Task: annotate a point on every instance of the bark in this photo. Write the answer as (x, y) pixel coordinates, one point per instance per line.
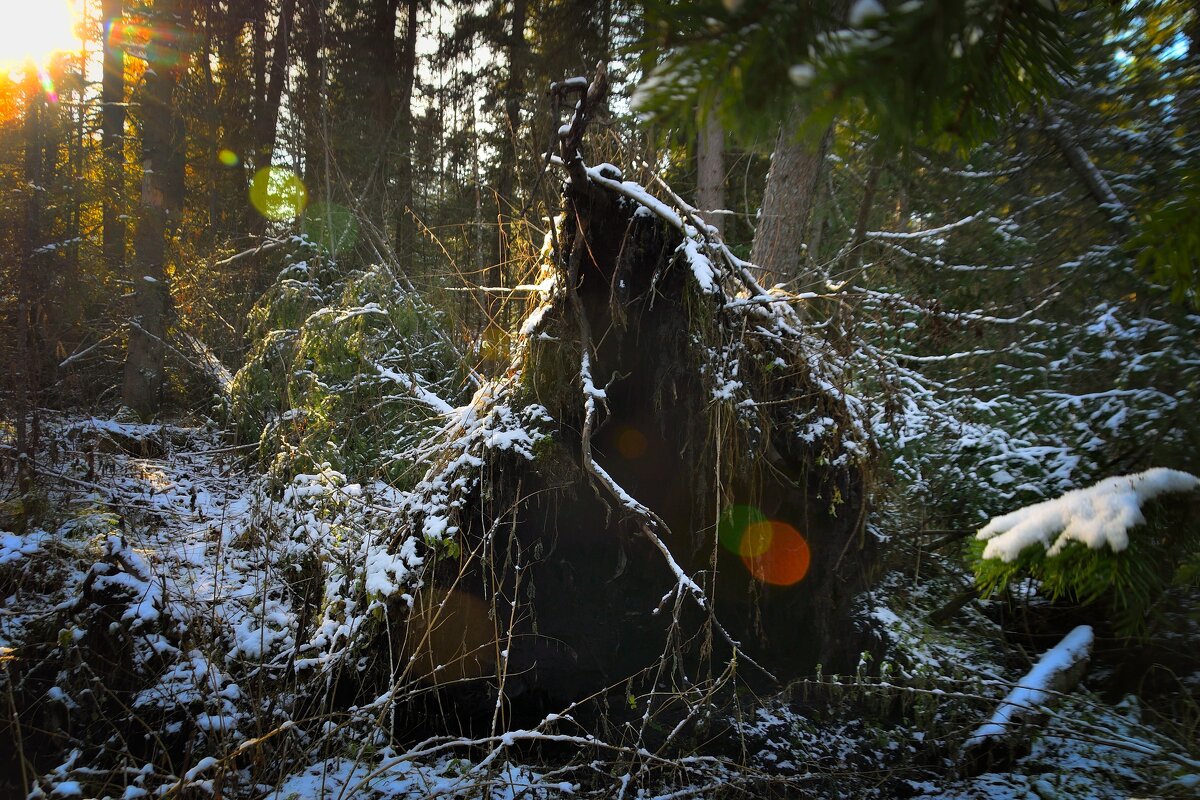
(112, 139)
(212, 122)
(793, 184)
(268, 122)
(864, 213)
(266, 119)
(1085, 170)
(311, 98)
(477, 235)
(788, 201)
(517, 52)
(161, 198)
(405, 229)
(258, 67)
(29, 290)
(236, 111)
(710, 172)
(381, 75)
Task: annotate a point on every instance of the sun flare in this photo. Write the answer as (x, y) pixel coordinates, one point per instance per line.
(33, 31)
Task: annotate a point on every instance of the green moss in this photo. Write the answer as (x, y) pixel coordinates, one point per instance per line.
(318, 385)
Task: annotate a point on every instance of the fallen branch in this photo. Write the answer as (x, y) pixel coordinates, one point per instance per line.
(998, 740)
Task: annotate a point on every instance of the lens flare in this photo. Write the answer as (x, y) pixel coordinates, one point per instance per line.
(757, 539)
(228, 158)
(785, 559)
(732, 526)
(631, 443)
(771, 550)
(330, 226)
(162, 45)
(47, 85)
(34, 32)
(278, 194)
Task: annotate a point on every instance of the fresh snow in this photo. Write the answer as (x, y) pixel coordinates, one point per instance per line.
(1096, 516)
(1036, 687)
(864, 11)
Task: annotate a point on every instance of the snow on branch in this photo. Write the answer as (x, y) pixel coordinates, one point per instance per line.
(924, 233)
(1096, 516)
(1049, 676)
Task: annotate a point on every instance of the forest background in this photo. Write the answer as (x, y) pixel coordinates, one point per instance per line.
(314, 224)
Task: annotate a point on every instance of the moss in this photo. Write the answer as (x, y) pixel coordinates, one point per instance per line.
(313, 390)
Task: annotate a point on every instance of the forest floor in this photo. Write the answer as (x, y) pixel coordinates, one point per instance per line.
(141, 627)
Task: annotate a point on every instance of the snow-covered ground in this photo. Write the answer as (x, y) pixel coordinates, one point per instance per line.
(187, 569)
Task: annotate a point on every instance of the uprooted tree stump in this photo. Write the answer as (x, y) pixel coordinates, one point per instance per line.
(669, 472)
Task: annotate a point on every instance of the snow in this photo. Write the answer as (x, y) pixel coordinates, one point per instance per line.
(864, 11)
(1098, 516)
(15, 547)
(702, 268)
(802, 74)
(417, 387)
(1035, 688)
(533, 320)
(204, 764)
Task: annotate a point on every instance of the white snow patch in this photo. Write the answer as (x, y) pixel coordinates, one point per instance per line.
(802, 74)
(1034, 689)
(864, 11)
(1096, 516)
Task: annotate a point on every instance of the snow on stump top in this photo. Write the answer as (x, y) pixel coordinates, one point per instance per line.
(1096, 516)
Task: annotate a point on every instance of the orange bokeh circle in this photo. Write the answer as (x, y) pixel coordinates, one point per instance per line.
(780, 558)
(631, 443)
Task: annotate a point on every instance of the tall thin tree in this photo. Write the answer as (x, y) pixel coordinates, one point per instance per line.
(159, 207)
(112, 137)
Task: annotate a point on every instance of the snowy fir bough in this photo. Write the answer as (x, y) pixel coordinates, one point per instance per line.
(349, 369)
(1109, 543)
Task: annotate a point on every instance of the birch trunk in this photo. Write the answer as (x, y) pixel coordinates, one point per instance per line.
(1085, 169)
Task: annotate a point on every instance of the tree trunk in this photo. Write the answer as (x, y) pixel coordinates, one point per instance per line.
(997, 743)
(380, 75)
(29, 288)
(1085, 169)
(789, 198)
(311, 99)
(710, 172)
(112, 139)
(788, 201)
(859, 242)
(517, 50)
(405, 229)
(269, 122)
(266, 119)
(162, 194)
(258, 66)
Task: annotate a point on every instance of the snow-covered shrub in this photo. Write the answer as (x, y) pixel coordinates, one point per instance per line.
(1075, 401)
(259, 388)
(331, 545)
(347, 370)
(1096, 545)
